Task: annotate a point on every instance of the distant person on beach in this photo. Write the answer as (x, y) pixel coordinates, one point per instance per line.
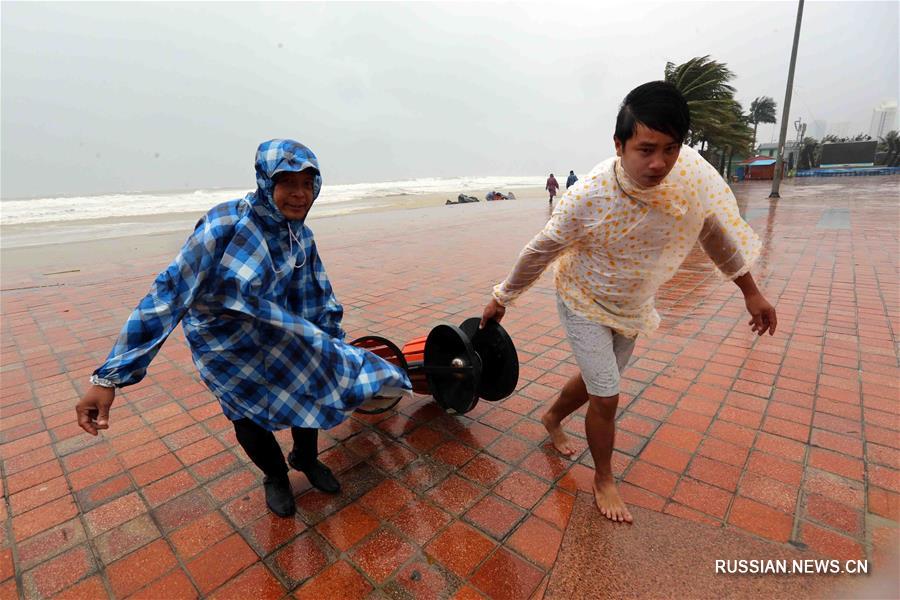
(570, 181)
(263, 325)
(494, 195)
(552, 186)
(619, 234)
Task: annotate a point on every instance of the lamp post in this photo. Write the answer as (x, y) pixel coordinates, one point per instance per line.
(779, 166)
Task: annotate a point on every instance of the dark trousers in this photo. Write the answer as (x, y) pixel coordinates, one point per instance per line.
(263, 449)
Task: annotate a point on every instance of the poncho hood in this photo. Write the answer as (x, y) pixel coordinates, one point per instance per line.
(279, 156)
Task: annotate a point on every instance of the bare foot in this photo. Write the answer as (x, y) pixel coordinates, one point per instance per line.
(559, 438)
(610, 503)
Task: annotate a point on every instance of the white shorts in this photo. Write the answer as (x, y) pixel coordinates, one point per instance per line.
(600, 352)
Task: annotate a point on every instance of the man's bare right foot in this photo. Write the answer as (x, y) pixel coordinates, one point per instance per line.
(560, 440)
(610, 503)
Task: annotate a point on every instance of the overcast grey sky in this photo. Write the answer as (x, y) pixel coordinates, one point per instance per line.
(107, 97)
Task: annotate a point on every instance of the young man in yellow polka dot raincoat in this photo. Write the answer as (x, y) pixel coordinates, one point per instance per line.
(619, 234)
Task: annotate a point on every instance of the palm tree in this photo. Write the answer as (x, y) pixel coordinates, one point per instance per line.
(704, 84)
(731, 136)
(717, 121)
(809, 153)
(891, 143)
(762, 110)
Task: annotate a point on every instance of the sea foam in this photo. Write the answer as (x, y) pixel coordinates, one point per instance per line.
(123, 205)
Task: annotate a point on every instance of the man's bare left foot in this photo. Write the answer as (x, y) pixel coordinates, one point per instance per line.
(610, 503)
(560, 440)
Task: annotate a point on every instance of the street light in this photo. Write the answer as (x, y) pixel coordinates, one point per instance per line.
(779, 166)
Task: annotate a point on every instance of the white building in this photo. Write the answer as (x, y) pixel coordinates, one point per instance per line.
(791, 151)
(884, 119)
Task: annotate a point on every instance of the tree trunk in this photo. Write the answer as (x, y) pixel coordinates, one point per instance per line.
(722, 163)
(730, 158)
(755, 125)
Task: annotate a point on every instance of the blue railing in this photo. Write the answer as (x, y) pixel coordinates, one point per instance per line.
(865, 171)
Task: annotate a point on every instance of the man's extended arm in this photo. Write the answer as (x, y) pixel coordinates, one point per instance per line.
(762, 313)
(533, 260)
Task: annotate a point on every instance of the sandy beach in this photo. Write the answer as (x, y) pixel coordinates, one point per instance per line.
(86, 244)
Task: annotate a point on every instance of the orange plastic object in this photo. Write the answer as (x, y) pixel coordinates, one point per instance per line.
(414, 352)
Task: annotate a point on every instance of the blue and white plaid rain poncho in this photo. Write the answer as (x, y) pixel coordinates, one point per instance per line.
(258, 312)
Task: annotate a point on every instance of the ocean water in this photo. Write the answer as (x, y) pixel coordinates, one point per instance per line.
(75, 208)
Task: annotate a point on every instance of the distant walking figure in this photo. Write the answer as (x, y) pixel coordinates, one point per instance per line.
(571, 180)
(552, 186)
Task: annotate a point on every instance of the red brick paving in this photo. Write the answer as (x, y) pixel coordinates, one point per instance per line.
(792, 438)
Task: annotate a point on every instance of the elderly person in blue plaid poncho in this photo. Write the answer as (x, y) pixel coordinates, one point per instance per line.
(262, 323)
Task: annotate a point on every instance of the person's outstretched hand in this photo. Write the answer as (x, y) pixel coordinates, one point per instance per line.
(494, 311)
(93, 409)
(762, 315)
